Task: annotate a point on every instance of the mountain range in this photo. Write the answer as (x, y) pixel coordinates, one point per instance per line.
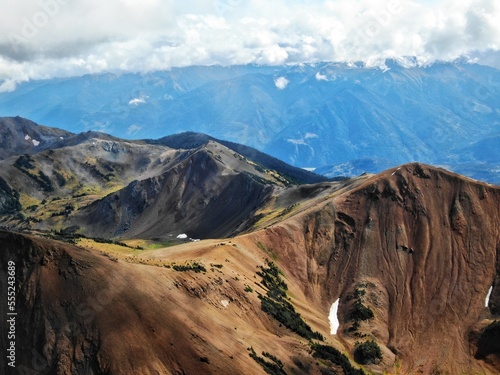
(344, 119)
(54, 179)
(188, 255)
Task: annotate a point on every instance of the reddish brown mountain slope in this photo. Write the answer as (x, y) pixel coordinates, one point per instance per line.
(417, 245)
(427, 240)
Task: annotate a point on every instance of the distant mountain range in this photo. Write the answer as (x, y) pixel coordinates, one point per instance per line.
(342, 119)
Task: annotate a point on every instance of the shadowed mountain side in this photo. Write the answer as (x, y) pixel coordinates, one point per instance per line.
(22, 136)
(424, 245)
(200, 196)
(76, 174)
(188, 140)
(154, 192)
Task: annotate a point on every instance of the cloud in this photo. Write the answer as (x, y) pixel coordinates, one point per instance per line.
(281, 83)
(48, 38)
(321, 77)
(7, 86)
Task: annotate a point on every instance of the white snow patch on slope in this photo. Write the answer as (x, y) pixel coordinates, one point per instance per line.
(182, 236)
(27, 137)
(311, 135)
(297, 141)
(333, 318)
(487, 301)
(35, 142)
(137, 101)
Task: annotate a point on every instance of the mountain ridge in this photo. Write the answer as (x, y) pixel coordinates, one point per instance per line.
(73, 182)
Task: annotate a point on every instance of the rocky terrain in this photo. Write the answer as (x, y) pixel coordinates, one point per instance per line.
(409, 256)
(110, 187)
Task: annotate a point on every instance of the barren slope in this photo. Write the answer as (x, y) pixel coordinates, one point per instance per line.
(417, 246)
(423, 244)
(210, 192)
(83, 312)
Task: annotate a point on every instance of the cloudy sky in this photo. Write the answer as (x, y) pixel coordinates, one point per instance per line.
(48, 38)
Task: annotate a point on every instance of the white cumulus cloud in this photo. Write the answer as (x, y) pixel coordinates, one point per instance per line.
(281, 83)
(321, 77)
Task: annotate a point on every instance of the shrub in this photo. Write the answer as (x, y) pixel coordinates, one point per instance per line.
(367, 352)
(24, 161)
(333, 355)
(9, 199)
(273, 367)
(360, 312)
(61, 181)
(489, 341)
(276, 304)
(195, 266)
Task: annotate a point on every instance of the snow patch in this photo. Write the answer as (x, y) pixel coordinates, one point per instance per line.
(35, 142)
(27, 137)
(225, 303)
(297, 141)
(481, 108)
(487, 301)
(133, 129)
(182, 236)
(311, 135)
(61, 138)
(137, 101)
(333, 317)
(393, 173)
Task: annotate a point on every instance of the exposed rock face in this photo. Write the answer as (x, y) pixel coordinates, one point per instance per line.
(426, 241)
(9, 199)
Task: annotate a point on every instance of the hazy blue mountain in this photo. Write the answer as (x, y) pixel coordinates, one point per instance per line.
(313, 115)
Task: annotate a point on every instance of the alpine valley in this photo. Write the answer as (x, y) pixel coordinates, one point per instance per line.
(343, 119)
(193, 255)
